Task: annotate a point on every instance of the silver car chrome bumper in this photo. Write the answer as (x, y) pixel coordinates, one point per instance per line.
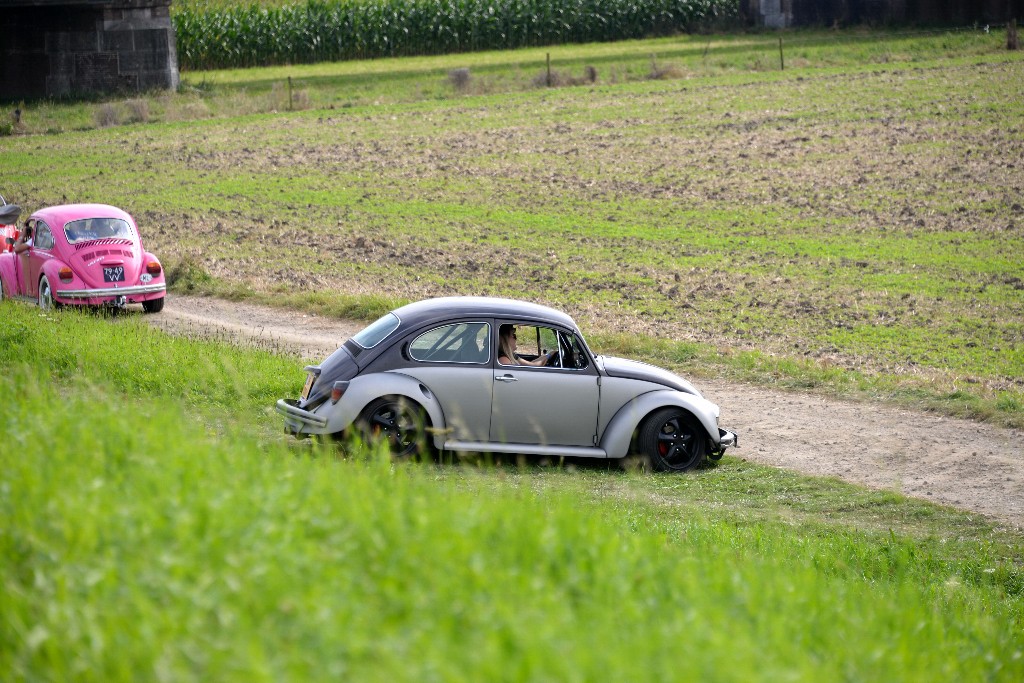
(110, 291)
(726, 439)
(295, 418)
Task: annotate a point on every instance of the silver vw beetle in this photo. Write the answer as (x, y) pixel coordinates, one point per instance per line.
(477, 374)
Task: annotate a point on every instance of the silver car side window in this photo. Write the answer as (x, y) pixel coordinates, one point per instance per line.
(467, 342)
(576, 357)
(532, 342)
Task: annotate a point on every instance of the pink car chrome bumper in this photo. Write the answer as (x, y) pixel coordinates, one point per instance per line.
(110, 291)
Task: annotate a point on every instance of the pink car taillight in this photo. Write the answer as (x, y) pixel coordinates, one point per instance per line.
(153, 268)
(65, 275)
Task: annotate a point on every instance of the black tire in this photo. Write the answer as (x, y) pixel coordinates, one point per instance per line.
(1, 289)
(674, 440)
(399, 422)
(153, 305)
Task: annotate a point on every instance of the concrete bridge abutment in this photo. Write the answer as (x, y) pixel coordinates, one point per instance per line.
(66, 48)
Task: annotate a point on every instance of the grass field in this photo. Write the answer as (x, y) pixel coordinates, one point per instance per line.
(155, 525)
(851, 224)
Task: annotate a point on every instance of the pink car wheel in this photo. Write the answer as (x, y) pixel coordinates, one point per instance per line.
(153, 305)
(46, 301)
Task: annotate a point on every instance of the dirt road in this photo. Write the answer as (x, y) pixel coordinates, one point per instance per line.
(953, 462)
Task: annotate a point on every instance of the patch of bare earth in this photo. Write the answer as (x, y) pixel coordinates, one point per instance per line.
(948, 461)
(312, 337)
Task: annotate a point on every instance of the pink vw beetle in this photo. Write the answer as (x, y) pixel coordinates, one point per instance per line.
(82, 254)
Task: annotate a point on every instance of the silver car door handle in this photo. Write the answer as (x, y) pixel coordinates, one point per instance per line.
(505, 378)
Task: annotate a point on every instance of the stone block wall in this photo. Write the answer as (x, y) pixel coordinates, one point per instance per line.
(954, 13)
(62, 50)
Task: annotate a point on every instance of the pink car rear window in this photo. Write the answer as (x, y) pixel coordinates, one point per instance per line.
(88, 229)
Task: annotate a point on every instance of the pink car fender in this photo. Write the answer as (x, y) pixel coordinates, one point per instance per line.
(8, 278)
(51, 271)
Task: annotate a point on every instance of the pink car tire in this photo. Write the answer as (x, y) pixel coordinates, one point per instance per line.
(153, 305)
(46, 301)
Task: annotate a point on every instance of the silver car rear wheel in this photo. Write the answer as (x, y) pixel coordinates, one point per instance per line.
(398, 422)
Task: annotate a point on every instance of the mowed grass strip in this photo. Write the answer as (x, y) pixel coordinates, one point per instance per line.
(139, 542)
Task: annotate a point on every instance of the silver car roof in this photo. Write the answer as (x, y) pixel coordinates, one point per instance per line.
(440, 308)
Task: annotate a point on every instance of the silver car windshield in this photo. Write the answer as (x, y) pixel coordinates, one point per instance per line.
(88, 229)
(376, 333)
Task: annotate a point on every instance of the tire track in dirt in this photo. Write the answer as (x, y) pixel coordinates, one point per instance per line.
(960, 463)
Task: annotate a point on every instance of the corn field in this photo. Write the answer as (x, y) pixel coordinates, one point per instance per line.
(212, 36)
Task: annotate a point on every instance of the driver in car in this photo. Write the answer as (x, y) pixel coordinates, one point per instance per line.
(25, 243)
(507, 349)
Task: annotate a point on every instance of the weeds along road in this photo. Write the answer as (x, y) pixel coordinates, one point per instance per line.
(949, 461)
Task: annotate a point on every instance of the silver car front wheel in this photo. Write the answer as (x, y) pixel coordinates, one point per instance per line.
(674, 440)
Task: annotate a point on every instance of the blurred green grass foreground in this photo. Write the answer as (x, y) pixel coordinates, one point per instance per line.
(154, 525)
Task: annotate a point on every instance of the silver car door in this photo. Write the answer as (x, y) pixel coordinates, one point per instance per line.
(544, 406)
(452, 361)
(464, 393)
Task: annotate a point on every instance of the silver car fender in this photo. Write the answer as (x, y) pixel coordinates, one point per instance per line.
(365, 389)
(617, 436)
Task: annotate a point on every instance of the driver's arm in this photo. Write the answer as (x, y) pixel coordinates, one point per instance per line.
(536, 362)
(540, 361)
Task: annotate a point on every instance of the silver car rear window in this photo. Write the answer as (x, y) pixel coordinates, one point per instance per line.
(377, 332)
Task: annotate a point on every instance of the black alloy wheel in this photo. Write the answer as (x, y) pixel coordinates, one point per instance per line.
(674, 440)
(399, 422)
